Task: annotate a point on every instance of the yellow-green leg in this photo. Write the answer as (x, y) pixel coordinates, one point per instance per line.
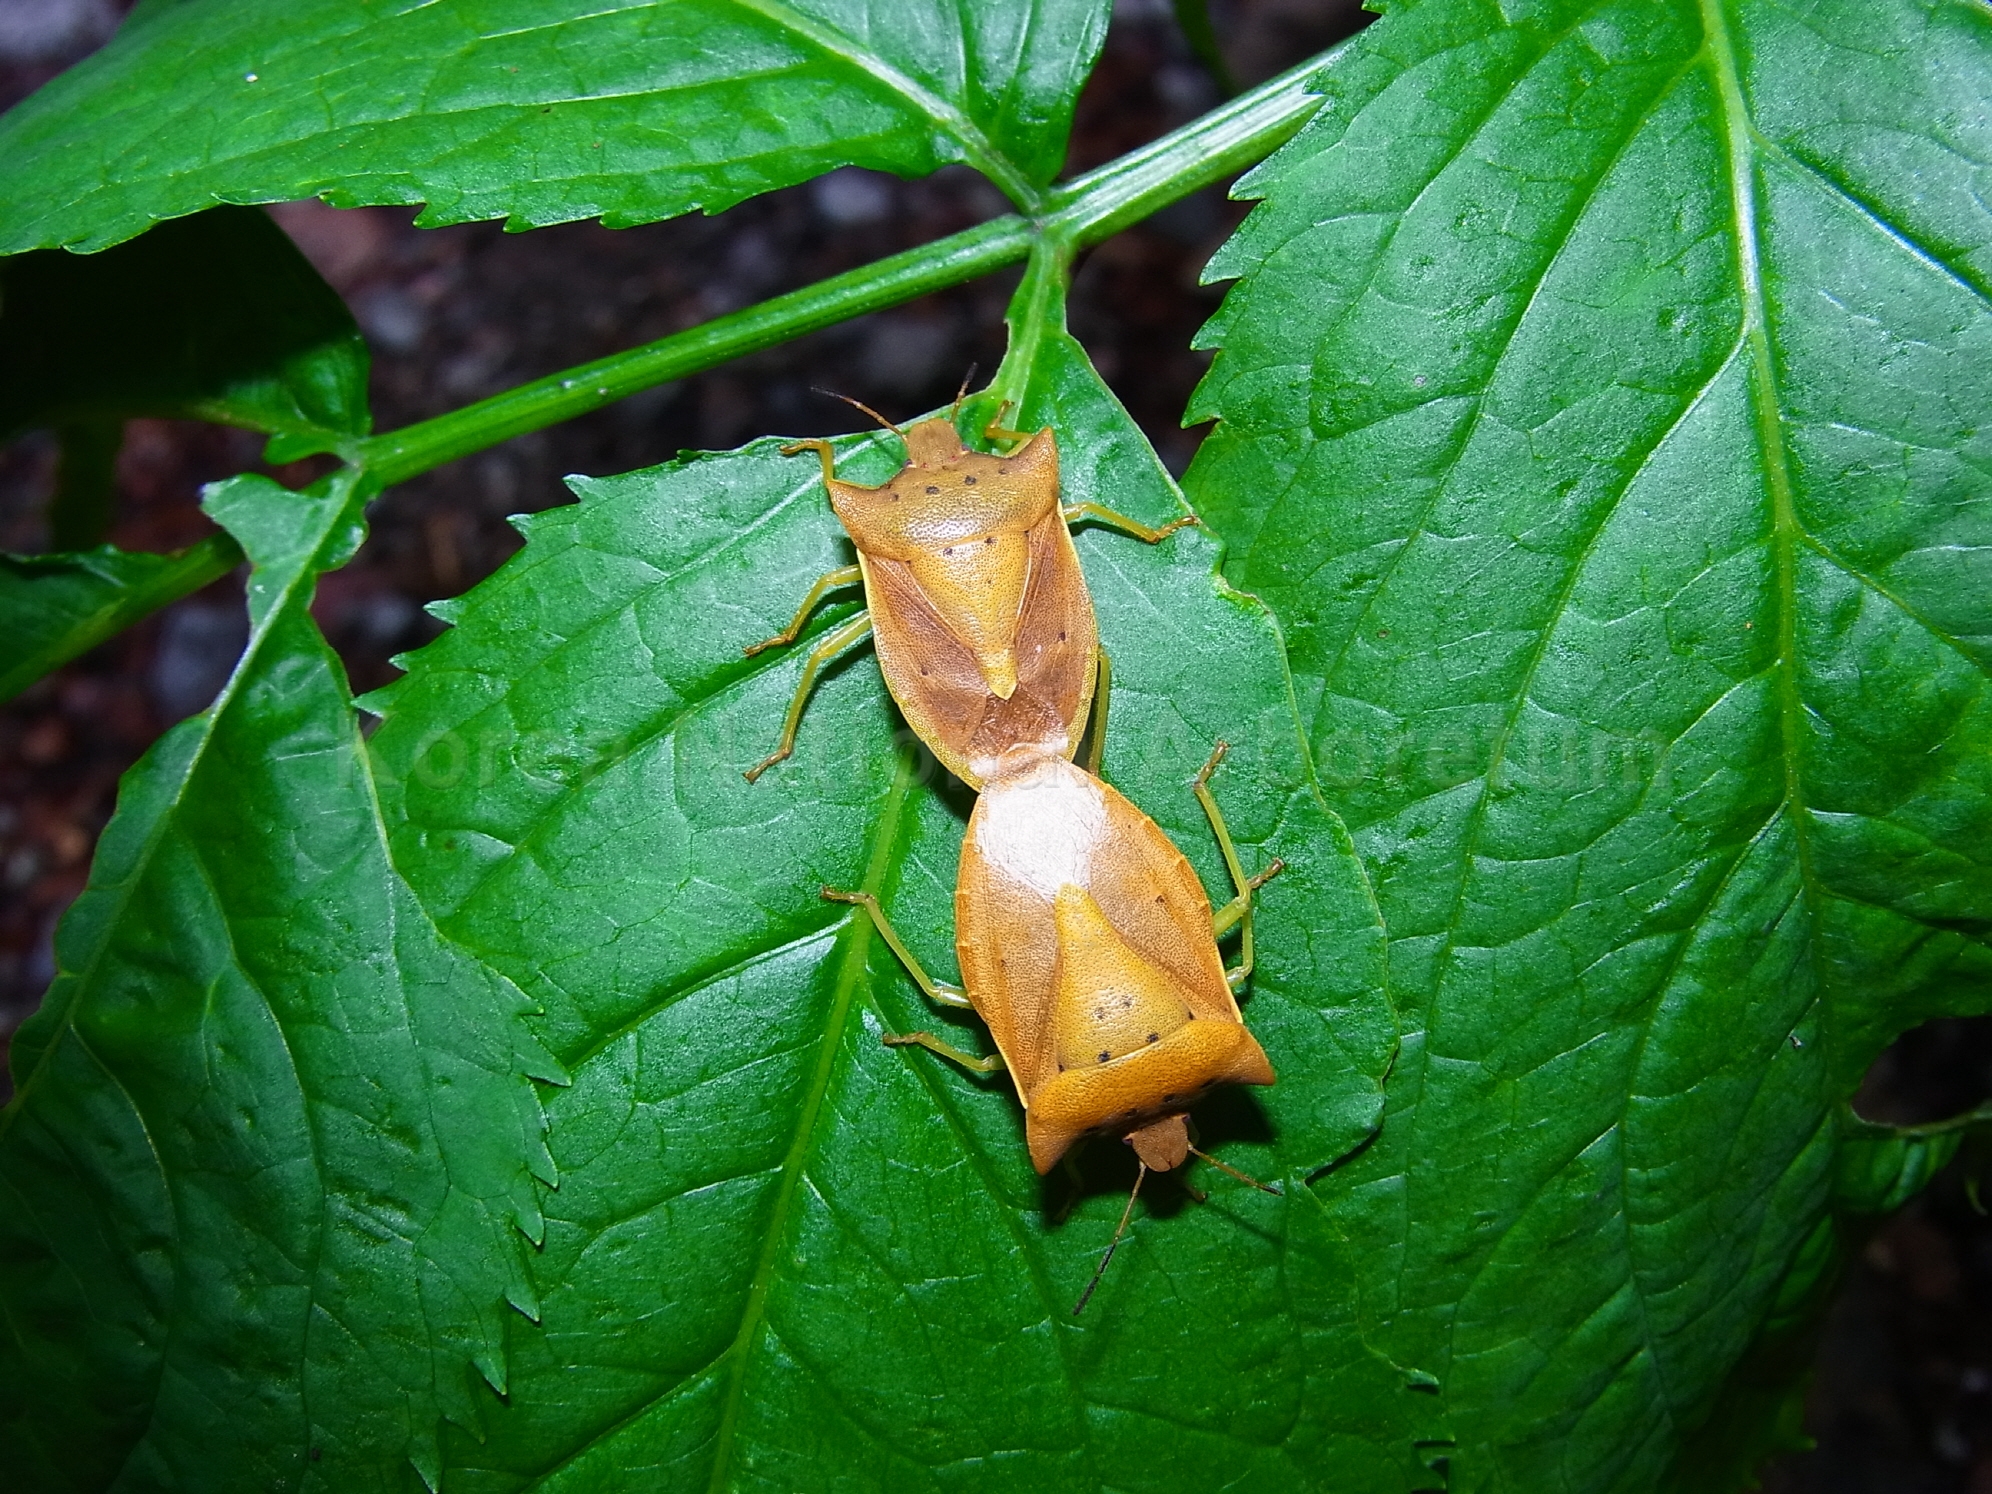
(996, 431)
(938, 992)
(1103, 684)
(829, 581)
(832, 645)
(1075, 512)
(993, 1064)
(823, 449)
(1236, 914)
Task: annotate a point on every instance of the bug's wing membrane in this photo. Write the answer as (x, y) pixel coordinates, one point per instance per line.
(934, 678)
(1057, 648)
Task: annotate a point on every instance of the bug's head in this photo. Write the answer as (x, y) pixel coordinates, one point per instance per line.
(1162, 1145)
(934, 443)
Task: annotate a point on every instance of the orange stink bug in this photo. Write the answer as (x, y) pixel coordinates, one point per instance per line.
(1088, 946)
(984, 627)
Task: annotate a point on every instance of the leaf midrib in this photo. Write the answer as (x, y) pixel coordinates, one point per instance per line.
(1787, 532)
(850, 976)
(981, 152)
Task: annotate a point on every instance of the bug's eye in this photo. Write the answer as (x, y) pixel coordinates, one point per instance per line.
(933, 490)
(969, 481)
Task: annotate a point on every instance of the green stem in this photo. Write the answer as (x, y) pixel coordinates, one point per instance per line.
(1084, 211)
(1037, 307)
(1202, 153)
(399, 455)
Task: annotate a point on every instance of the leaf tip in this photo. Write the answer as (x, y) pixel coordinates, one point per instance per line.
(522, 1300)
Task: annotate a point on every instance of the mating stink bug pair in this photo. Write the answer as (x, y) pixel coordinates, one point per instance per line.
(982, 621)
(1085, 939)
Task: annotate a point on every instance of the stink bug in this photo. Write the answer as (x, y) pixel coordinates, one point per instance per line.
(1088, 946)
(974, 594)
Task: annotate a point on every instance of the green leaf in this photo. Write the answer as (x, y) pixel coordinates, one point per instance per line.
(782, 1255)
(262, 1182)
(217, 317)
(1602, 413)
(533, 110)
(53, 607)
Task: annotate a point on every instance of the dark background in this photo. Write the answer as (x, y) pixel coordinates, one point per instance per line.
(1902, 1400)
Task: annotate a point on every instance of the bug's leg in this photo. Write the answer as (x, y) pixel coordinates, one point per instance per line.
(938, 992)
(1238, 912)
(844, 575)
(823, 449)
(1075, 512)
(832, 645)
(1103, 684)
(1227, 1167)
(997, 431)
(993, 1064)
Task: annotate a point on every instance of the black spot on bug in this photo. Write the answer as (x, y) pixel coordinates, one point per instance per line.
(969, 481)
(948, 551)
(1104, 1055)
(1061, 635)
(990, 541)
(933, 490)
(1154, 1037)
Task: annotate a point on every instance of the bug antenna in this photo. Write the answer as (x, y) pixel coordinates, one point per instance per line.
(1227, 1167)
(1113, 1244)
(954, 412)
(858, 404)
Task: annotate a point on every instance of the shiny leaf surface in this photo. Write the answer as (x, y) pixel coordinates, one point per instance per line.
(263, 1182)
(1602, 413)
(535, 111)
